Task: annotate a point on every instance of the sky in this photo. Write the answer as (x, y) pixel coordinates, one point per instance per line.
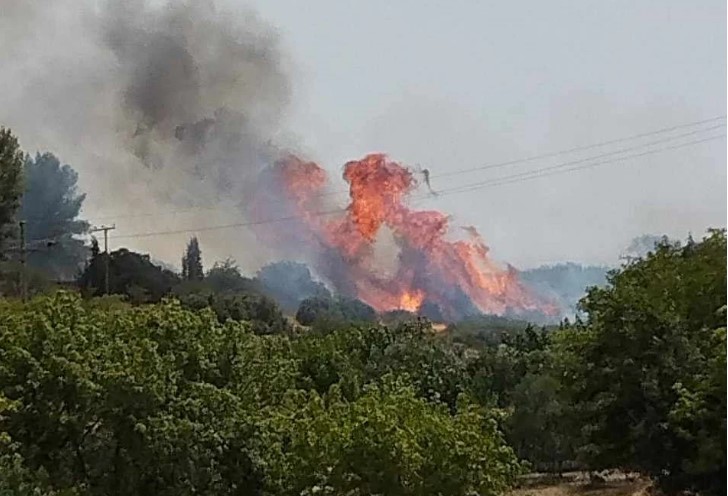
(447, 86)
(456, 85)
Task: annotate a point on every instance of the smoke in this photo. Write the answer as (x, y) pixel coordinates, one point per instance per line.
(203, 91)
(159, 107)
(426, 267)
(183, 105)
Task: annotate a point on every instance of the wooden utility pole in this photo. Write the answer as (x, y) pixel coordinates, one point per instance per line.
(23, 278)
(106, 230)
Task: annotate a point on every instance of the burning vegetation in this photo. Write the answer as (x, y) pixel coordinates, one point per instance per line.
(197, 97)
(432, 271)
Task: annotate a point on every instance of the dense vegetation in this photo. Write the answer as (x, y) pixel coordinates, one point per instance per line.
(160, 400)
(647, 368)
(199, 384)
(100, 397)
(50, 206)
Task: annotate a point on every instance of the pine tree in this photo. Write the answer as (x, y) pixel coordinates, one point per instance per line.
(11, 179)
(52, 199)
(192, 262)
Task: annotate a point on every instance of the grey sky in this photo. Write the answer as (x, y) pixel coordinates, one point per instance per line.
(453, 85)
(448, 85)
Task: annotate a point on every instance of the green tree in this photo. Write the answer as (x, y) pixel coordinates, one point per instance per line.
(540, 427)
(225, 277)
(313, 308)
(336, 312)
(51, 205)
(135, 400)
(11, 182)
(258, 310)
(647, 367)
(388, 441)
(192, 262)
(102, 398)
(131, 274)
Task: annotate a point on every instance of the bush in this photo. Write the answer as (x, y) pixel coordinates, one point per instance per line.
(387, 441)
(647, 368)
(105, 399)
(341, 311)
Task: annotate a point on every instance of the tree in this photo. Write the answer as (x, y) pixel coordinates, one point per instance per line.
(192, 262)
(156, 399)
(132, 401)
(640, 246)
(131, 274)
(225, 277)
(51, 205)
(540, 428)
(35, 281)
(259, 311)
(388, 442)
(338, 311)
(647, 367)
(11, 180)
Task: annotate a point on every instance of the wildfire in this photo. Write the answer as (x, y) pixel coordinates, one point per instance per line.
(455, 277)
(411, 301)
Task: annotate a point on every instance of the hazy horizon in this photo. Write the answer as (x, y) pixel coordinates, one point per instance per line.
(444, 87)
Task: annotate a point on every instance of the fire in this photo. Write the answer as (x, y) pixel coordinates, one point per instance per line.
(457, 277)
(411, 301)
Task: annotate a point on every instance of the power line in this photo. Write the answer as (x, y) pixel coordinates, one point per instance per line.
(588, 147)
(228, 226)
(573, 162)
(106, 230)
(559, 168)
(462, 189)
(531, 158)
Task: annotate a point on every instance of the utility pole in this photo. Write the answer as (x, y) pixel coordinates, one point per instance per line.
(106, 230)
(23, 279)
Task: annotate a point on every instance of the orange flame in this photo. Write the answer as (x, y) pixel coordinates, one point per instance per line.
(452, 275)
(411, 301)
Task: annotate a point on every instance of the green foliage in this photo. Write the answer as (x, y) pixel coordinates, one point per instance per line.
(11, 180)
(388, 441)
(225, 277)
(541, 425)
(334, 312)
(104, 398)
(36, 281)
(259, 311)
(51, 205)
(486, 330)
(131, 274)
(215, 393)
(516, 370)
(314, 308)
(147, 400)
(192, 262)
(356, 356)
(232, 296)
(395, 317)
(647, 366)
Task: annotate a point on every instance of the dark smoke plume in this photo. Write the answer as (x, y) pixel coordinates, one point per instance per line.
(158, 106)
(204, 91)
